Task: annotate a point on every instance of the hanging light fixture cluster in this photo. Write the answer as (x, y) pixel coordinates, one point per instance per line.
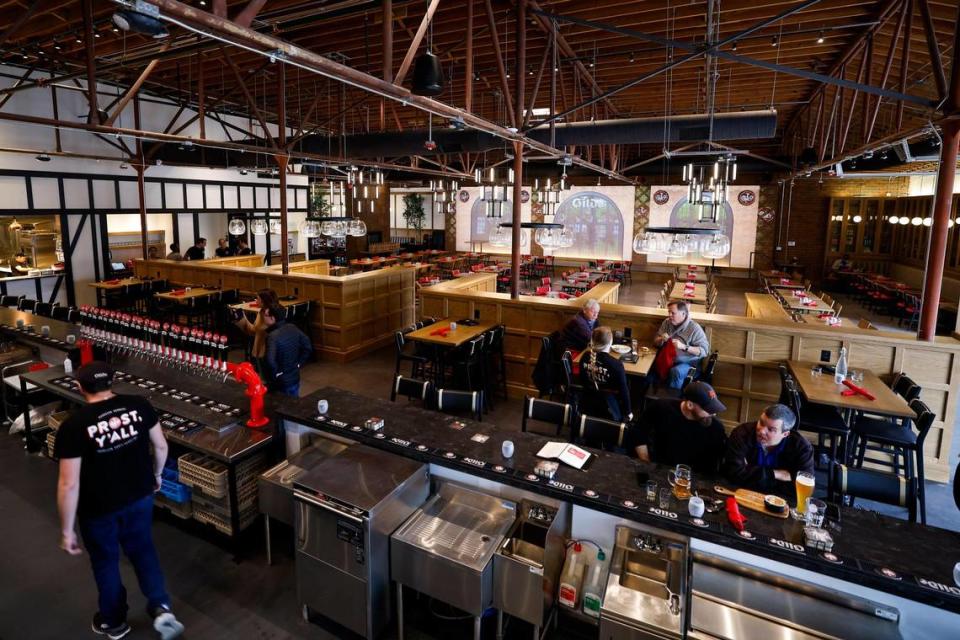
(707, 185)
(444, 195)
(365, 187)
(547, 192)
(502, 236)
(678, 242)
(497, 185)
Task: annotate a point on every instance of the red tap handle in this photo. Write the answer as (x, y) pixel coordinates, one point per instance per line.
(245, 374)
(733, 514)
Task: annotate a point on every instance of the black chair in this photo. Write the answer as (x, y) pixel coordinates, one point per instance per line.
(60, 313)
(27, 304)
(572, 390)
(897, 439)
(709, 366)
(412, 389)
(44, 309)
(555, 413)
(600, 433)
(406, 352)
(459, 402)
(878, 486)
(823, 420)
(467, 364)
(904, 386)
(496, 373)
(11, 302)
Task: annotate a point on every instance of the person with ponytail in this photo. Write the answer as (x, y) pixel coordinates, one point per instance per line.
(605, 390)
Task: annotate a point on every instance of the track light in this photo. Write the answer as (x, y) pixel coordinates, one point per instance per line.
(43, 158)
(820, 37)
(476, 76)
(633, 57)
(56, 45)
(774, 41)
(77, 39)
(734, 46)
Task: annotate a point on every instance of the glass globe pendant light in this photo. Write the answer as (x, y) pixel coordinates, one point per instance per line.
(237, 227)
(259, 227)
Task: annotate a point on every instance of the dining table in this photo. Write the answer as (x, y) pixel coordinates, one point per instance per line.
(792, 302)
(444, 339)
(696, 293)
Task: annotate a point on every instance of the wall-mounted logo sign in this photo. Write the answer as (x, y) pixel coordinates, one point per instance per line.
(765, 214)
(464, 195)
(746, 198)
(524, 196)
(661, 197)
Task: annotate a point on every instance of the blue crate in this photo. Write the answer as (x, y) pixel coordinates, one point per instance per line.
(171, 474)
(175, 491)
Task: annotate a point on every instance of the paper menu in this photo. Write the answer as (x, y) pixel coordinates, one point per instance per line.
(567, 453)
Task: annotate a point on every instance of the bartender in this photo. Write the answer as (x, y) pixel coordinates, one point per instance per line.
(767, 454)
(20, 264)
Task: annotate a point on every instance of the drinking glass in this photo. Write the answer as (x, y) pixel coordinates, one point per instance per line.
(815, 511)
(665, 498)
(816, 372)
(804, 483)
(680, 479)
(856, 376)
(651, 490)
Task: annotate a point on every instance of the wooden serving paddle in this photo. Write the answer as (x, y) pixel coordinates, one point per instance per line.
(753, 500)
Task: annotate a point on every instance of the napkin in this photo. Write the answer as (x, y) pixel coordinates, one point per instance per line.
(854, 390)
(112, 282)
(810, 303)
(178, 292)
(688, 295)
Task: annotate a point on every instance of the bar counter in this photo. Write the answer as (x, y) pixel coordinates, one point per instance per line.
(918, 558)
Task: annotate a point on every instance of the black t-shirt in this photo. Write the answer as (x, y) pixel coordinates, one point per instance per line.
(672, 439)
(113, 442)
(194, 253)
(224, 252)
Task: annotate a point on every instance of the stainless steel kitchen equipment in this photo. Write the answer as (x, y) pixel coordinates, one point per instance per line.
(527, 564)
(646, 588)
(730, 600)
(346, 508)
(445, 550)
(276, 484)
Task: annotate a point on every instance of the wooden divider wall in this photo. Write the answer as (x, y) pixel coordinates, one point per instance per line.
(350, 315)
(746, 378)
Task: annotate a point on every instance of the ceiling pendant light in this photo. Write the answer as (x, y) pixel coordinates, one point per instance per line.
(237, 227)
(496, 186)
(274, 226)
(427, 75)
(259, 227)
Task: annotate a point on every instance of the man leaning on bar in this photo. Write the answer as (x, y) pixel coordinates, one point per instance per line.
(767, 454)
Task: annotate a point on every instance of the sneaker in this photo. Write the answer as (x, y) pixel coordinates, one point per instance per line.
(102, 628)
(165, 623)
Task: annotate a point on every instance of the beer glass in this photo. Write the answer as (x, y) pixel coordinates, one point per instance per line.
(804, 484)
(680, 479)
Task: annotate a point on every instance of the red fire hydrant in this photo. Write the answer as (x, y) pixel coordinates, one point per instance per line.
(245, 374)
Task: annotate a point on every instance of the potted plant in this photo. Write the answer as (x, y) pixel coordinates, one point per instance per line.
(413, 214)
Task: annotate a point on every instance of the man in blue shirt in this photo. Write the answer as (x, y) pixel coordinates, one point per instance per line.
(288, 349)
(767, 454)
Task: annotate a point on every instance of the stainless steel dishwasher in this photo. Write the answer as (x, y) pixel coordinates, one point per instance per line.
(731, 601)
(445, 550)
(346, 508)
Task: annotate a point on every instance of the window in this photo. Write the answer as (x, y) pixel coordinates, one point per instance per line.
(597, 225)
(432, 219)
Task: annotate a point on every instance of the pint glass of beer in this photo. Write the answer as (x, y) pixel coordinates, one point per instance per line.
(681, 480)
(804, 483)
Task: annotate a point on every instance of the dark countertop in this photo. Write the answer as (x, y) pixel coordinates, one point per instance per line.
(921, 556)
(59, 330)
(228, 445)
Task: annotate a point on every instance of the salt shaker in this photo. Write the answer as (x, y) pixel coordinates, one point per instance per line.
(322, 407)
(695, 506)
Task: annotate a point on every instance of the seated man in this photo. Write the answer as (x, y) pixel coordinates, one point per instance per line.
(576, 334)
(686, 431)
(842, 264)
(766, 455)
(605, 391)
(688, 338)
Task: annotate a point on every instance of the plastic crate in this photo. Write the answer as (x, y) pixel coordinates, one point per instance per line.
(51, 444)
(204, 473)
(170, 473)
(181, 510)
(54, 420)
(175, 491)
(222, 523)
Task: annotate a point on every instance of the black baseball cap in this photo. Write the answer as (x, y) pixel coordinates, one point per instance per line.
(95, 377)
(703, 395)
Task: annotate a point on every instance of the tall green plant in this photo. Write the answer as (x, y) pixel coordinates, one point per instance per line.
(413, 213)
(321, 204)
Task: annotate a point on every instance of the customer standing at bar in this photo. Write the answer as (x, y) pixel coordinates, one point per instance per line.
(223, 249)
(266, 298)
(288, 349)
(578, 331)
(242, 248)
(107, 481)
(683, 430)
(688, 338)
(197, 251)
(767, 454)
(174, 253)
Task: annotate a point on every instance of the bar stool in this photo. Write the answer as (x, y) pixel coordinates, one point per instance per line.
(556, 413)
(902, 440)
(600, 433)
(457, 402)
(823, 420)
(411, 389)
(879, 486)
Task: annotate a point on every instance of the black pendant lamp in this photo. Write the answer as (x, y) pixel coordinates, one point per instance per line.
(427, 75)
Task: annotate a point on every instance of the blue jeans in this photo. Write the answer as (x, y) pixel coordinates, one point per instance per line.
(677, 373)
(292, 390)
(103, 536)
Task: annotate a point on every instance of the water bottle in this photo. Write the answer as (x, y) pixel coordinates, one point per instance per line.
(67, 365)
(841, 370)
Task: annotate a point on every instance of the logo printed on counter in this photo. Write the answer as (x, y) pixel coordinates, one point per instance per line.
(938, 586)
(663, 513)
(400, 442)
(477, 463)
(783, 544)
(563, 486)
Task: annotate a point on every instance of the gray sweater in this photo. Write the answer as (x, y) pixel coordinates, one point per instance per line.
(691, 334)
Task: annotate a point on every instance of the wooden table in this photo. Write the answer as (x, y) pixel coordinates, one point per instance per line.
(767, 275)
(793, 303)
(463, 334)
(693, 276)
(823, 390)
(187, 297)
(697, 294)
(764, 306)
(638, 368)
(779, 283)
(252, 306)
(106, 287)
